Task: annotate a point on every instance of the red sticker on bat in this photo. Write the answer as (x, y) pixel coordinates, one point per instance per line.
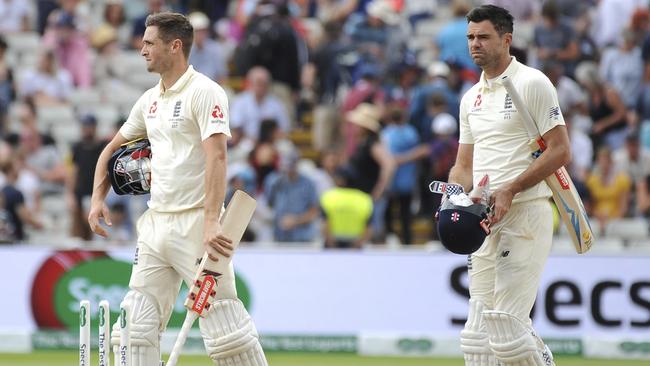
(204, 294)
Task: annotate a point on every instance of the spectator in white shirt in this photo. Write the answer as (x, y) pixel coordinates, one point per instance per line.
(48, 84)
(252, 106)
(14, 16)
(206, 56)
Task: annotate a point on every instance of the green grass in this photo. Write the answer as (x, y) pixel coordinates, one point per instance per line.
(68, 358)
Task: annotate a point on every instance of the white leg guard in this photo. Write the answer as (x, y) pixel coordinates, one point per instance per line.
(474, 338)
(144, 331)
(230, 336)
(514, 342)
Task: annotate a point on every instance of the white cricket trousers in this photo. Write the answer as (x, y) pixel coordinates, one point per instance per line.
(505, 272)
(169, 246)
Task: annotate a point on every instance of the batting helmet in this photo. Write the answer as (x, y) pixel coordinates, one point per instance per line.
(129, 168)
(461, 229)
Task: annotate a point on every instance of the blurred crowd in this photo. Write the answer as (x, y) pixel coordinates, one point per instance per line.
(341, 111)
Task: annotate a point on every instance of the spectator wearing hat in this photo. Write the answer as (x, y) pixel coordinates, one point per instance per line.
(371, 165)
(70, 48)
(366, 89)
(347, 213)
(79, 185)
(114, 18)
(399, 138)
(18, 214)
(206, 56)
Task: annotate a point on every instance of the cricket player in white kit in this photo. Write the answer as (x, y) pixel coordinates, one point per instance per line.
(185, 117)
(504, 273)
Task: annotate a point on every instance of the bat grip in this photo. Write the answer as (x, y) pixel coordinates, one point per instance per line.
(182, 336)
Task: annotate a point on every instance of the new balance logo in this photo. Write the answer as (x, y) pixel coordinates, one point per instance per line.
(505, 253)
(554, 113)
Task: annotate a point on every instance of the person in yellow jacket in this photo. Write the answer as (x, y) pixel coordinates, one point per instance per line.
(347, 214)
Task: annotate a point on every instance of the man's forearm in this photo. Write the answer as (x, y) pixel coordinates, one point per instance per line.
(101, 183)
(461, 175)
(215, 185)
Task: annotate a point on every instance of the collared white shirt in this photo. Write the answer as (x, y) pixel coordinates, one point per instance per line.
(248, 114)
(176, 121)
(490, 121)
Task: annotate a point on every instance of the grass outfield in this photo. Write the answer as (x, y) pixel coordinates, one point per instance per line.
(68, 358)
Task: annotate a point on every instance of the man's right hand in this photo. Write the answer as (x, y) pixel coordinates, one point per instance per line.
(97, 212)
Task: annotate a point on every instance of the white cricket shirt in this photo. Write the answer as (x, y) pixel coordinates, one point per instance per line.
(176, 121)
(490, 121)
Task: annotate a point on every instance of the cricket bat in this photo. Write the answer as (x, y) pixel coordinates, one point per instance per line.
(205, 286)
(565, 195)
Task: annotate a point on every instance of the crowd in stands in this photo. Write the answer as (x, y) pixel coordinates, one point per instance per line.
(374, 85)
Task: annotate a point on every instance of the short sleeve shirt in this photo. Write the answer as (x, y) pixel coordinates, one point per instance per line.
(490, 121)
(176, 121)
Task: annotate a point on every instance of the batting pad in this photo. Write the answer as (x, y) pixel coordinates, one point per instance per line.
(515, 343)
(230, 336)
(144, 331)
(474, 338)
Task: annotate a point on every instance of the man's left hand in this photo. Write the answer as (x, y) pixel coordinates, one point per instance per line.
(215, 242)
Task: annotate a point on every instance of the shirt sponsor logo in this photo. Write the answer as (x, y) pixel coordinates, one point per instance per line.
(217, 114)
(152, 109)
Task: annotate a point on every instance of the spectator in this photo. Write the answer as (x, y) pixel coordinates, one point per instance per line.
(441, 83)
(371, 165)
(250, 107)
(265, 156)
(14, 16)
(399, 138)
(121, 228)
(587, 48)
(451, 41)
(44, 160)
(570, 95)
(85, 153)
(365, 90)
(606, 109)
(377, 35)
(70, 47)
(634, 162)
(7, 87)
(14, 203)
(269, 33)
(294, 202)
(347, 214)
(323, 174)
(48, 84)
(555, 39)
(115, 19)
(609, 189)
(206, 56)
(110, 75)
(611, 17)
(138, 27)
(622, 68)
(437, 156)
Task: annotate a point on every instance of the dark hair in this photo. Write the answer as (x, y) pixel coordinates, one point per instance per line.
(550, 10)
(173, 26)
(500, 18)
(3, 43)
(267, 128)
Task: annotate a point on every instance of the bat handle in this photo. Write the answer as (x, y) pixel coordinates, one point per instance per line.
(182, 336)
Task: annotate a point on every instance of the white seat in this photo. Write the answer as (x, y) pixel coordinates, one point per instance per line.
(628, 229)
(62, 114)
(23, 42)
(83, 97)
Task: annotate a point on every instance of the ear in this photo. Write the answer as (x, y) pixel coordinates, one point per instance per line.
(507, 37)
(177, 46)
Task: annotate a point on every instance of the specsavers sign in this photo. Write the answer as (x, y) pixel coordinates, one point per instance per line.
(345, 293)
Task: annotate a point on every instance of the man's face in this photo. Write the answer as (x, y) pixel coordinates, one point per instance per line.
(486, 46)
(156, 53)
